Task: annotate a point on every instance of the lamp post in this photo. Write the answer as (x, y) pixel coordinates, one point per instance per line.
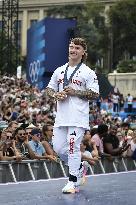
(115, 80)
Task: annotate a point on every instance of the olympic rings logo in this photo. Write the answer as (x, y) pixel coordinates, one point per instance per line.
(34, 71)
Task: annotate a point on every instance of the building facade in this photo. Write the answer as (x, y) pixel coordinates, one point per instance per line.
(31, 11)
(125, 82)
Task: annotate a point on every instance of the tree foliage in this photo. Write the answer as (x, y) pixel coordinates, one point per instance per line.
(90, 25)
(8, 55)
(122, 17)
(118, 36)
(126, 66)
(1, 54)
(95, 15)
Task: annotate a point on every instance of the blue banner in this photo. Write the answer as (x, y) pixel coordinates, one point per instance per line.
(47, 48)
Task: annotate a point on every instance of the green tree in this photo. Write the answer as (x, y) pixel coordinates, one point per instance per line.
(95, 13)
(8, 48)
(90, 25)
(126, 66)
(122, 17)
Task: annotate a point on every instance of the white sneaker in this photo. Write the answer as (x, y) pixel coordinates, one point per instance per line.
(81, 179)
(70, 188)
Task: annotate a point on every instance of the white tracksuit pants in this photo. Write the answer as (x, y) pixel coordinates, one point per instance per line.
(66, 143)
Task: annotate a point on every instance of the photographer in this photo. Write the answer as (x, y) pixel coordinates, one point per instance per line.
(7, 115)
(8, 149)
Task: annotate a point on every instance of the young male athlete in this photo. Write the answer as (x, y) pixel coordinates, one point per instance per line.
(72, 85)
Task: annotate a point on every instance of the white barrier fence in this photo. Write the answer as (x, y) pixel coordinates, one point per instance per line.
(41, 169)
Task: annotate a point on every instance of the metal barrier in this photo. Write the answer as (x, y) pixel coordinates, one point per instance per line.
(44, 169)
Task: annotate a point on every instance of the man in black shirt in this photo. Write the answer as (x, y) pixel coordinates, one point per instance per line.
(111, 143)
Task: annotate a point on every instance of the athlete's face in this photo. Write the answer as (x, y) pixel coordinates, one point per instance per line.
(75, 52)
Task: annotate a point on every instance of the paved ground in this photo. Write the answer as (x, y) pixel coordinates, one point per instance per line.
(111, 189)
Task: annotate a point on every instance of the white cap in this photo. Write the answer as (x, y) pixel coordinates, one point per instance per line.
(96, 126)
(31, 126)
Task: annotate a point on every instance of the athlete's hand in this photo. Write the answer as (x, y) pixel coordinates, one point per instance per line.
(60, 95)
(69, 91)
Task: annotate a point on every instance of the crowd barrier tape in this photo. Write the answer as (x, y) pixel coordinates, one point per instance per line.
(27, 170)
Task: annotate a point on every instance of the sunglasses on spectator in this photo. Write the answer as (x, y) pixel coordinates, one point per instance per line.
(21, 134)
(119, 136)
(9, 136)
(38, 134)
(28, 133)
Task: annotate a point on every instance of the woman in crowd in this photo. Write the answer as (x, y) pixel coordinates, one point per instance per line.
(131, 141)
(90, 143)
(47, 134)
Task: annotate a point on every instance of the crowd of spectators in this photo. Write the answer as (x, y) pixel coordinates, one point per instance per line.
(27, 118)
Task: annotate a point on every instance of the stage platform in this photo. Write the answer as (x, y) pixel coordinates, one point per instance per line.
(104, 189)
